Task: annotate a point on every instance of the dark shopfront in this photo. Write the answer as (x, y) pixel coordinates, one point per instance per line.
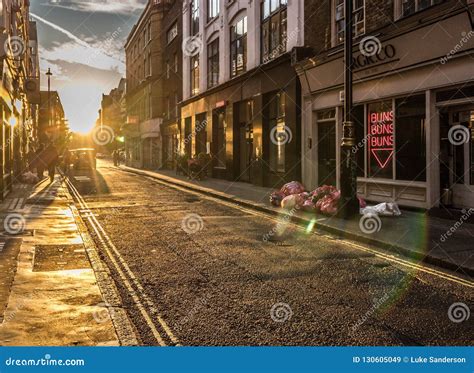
(250, 126)
(408, 110)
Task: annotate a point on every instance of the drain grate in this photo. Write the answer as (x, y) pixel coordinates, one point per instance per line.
(50, 258)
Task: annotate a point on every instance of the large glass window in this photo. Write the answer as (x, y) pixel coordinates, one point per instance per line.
(410, 139)
(238, 47)
(195, 75)
(279, 133)
(213, 63)
(200, 133)
(380, 129)
(212, 9)
(274, 29)
(358, 28)
(220, 156)
(194, 17)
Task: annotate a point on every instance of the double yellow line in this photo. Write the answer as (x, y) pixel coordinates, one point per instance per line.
(127, 277)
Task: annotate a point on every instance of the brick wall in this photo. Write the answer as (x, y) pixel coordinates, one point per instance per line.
(379, 15)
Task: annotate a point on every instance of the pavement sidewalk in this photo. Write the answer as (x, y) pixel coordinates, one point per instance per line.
(415, 234)
(48, 291)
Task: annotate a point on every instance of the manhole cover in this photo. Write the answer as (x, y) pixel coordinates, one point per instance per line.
(49, 258)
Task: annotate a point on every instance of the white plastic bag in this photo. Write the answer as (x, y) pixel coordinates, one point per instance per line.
(382, 209)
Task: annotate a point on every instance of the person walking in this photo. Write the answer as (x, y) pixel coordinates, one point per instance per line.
(115, 156)
(52, 161)
(39, 162)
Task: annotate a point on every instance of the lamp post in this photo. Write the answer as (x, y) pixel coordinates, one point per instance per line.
(49, 74)
(349, 204)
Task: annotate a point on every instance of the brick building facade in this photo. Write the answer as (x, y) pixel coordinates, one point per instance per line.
(413, 88)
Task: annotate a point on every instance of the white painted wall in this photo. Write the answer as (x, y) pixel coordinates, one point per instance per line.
(220, 27)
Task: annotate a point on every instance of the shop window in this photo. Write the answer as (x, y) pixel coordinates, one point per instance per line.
(219, 139)
(188, 137)
(273, 29)
(380, 129)
(200, 133)
(359, 123)
(195, 75)
(279, 133)
(358, 27)
(238, 47)
(410, 135)
(213, 63)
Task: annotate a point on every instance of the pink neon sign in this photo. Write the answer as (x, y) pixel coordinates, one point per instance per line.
(381, 137)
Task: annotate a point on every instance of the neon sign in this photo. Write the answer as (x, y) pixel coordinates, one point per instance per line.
(381, 137)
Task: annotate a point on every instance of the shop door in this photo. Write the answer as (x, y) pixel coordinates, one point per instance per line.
(246, 149)
(327, 153)
(460, 135)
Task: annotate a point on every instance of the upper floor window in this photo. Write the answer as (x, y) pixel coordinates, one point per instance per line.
(238, 47)
(213, 63)
(274, 28)
(172, 33)
(195, 75)
(212, 9)
(194, 17)
(408, 7)
(358, 28)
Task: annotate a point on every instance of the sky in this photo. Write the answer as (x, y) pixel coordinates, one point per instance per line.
(82, 42)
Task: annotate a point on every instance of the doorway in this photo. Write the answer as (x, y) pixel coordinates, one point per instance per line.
(327, 170)
(245, 140)
(457, 155)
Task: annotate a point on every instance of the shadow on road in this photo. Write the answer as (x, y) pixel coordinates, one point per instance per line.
(89, 182)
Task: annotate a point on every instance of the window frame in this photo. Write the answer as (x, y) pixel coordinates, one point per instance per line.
(195, 74)
(234, 46)
(213, 9)
(399, 8)
(266, 20)
(211, 61)
(173, 31)
(194, 19)
(334, 23)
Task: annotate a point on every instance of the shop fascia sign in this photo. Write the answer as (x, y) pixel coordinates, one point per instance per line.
(382, 54)
(381, 137)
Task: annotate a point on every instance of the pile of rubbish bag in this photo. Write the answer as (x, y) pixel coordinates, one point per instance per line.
(324, 199)
(29, 178)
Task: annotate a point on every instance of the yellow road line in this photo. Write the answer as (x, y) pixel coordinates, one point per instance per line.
(387, 257)
(108, 245)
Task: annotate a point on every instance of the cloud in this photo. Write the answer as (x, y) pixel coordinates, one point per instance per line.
(105, 6)
(104, 55)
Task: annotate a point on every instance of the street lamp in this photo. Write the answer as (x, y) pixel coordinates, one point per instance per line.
(349, 204)
(49, 74)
